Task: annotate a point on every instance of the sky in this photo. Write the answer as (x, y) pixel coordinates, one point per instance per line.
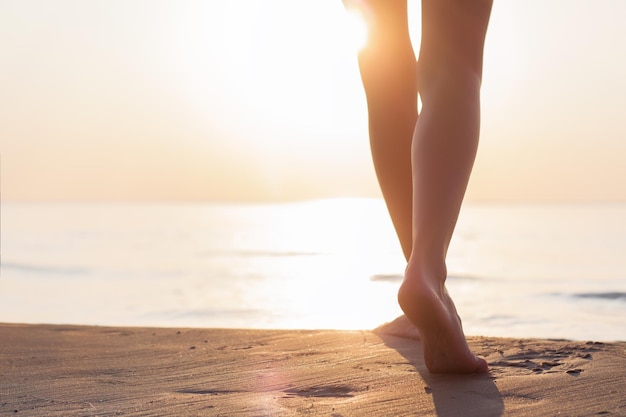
(247, 100)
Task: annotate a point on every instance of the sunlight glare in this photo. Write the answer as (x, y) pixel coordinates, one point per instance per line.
(357, 28)
(336, 246)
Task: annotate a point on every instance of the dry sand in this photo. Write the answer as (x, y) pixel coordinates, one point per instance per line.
(52, 370)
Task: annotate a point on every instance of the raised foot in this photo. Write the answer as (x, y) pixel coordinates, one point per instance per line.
(432, 311)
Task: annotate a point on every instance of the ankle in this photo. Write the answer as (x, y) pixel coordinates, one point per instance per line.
(425, 272)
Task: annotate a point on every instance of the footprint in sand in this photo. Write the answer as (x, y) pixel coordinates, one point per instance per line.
(336, 391)
(543, 357)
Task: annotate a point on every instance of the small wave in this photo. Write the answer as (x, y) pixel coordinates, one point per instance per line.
(206, 313)
(603, 295)
(259, 253)
(399, 277)
(467, 278)
(43, 269)
(386, 277)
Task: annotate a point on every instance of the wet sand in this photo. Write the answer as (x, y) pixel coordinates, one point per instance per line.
(62, 370)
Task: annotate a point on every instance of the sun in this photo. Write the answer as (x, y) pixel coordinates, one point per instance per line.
(357, 29)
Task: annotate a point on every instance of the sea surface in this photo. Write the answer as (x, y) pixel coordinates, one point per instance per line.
(551, 271)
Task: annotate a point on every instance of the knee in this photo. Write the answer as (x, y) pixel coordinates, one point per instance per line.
(448, 78)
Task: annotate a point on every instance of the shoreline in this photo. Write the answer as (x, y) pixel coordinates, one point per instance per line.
(67, 370)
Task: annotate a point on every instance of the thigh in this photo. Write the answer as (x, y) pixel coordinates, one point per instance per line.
(453, 33)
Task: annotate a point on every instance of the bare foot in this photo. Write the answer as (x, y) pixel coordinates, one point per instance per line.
(400, 327)
(431, 310)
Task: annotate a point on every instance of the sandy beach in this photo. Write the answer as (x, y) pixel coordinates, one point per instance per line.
(63, 370)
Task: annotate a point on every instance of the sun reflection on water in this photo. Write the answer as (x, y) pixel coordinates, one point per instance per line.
(338, 246)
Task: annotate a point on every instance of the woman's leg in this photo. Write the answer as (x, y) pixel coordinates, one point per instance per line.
(389, 75)
(443, 152)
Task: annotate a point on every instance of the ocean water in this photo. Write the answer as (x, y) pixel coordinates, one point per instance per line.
(553, 271)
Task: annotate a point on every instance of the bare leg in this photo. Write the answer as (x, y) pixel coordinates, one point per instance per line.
(389, 74)
(443, 152)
